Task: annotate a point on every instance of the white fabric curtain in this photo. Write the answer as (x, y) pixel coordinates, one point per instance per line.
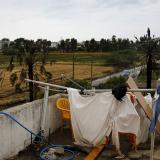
(95, 117)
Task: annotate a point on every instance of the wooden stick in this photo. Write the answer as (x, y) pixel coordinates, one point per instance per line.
(142, 102)
(95, 152)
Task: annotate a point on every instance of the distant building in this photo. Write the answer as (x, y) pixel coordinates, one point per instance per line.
(0, 45)
(54, 44)
(5, 42)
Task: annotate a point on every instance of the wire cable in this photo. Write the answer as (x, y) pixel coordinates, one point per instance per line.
(41, 138)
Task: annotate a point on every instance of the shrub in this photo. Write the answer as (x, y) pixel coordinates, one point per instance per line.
(122, 59)
(112, 82)
(83, 83)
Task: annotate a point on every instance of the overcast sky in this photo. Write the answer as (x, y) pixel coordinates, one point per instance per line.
(82, 19)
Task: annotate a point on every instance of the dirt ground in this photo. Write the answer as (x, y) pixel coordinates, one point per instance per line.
(7, 91)
(81, 71)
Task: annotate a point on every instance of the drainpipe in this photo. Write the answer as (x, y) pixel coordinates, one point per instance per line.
(44, 108)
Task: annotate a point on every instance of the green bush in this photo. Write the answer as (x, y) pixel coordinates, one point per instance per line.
(112, 82)
(122, 59)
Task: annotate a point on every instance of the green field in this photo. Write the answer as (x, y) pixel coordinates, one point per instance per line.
(99, 58)
(83, 58)
(4, 60)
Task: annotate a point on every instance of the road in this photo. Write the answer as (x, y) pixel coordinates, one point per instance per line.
(133, 72)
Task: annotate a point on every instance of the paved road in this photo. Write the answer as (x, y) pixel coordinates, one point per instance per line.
(133, 72)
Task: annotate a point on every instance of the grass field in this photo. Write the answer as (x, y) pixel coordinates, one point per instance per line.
(83, 58)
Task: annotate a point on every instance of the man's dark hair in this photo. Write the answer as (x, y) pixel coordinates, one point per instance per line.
(119, 91)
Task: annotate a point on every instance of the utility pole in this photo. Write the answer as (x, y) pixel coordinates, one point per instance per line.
(73, 65)
(91, 71)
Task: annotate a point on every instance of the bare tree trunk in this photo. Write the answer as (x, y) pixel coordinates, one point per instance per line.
(149, 71)
(30, 75)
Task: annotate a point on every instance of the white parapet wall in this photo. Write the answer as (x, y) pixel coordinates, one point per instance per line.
(14, 138)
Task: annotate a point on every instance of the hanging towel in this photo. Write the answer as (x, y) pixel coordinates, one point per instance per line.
(95, 117)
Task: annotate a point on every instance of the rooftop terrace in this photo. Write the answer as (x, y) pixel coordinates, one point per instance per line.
(108, 153)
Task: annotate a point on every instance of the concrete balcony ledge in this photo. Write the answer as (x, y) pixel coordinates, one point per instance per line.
(13, 138)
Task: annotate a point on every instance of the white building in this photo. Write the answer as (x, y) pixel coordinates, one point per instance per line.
(0, 45)
(3, 42)
(54, 44)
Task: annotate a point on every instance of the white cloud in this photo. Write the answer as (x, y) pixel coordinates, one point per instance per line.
(82, 19)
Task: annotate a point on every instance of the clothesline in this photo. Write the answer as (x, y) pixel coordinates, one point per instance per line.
(85, 90)
(48, 85)
(54, 90)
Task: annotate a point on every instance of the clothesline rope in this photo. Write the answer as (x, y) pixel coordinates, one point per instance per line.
(54, 90)
(85, 90)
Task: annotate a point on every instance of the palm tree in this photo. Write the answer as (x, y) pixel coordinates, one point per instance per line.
(27, 51)
(149, 46)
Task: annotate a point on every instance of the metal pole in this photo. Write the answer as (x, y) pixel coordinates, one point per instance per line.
(73, 65)
(152, 145)
(31, 138)
(91, 72)
(96, 90)
(45, 106)
(49, 135)
(128, 90)
(54, 90)
(78, 85)
(46, 84)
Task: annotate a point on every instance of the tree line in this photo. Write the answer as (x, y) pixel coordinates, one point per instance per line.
(72, 45)
(104, 45)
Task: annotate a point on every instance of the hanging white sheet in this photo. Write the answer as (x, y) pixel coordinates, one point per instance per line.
(144, 121)
(95, 117)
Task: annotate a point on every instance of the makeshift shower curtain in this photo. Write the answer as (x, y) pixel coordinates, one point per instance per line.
(94, 117)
